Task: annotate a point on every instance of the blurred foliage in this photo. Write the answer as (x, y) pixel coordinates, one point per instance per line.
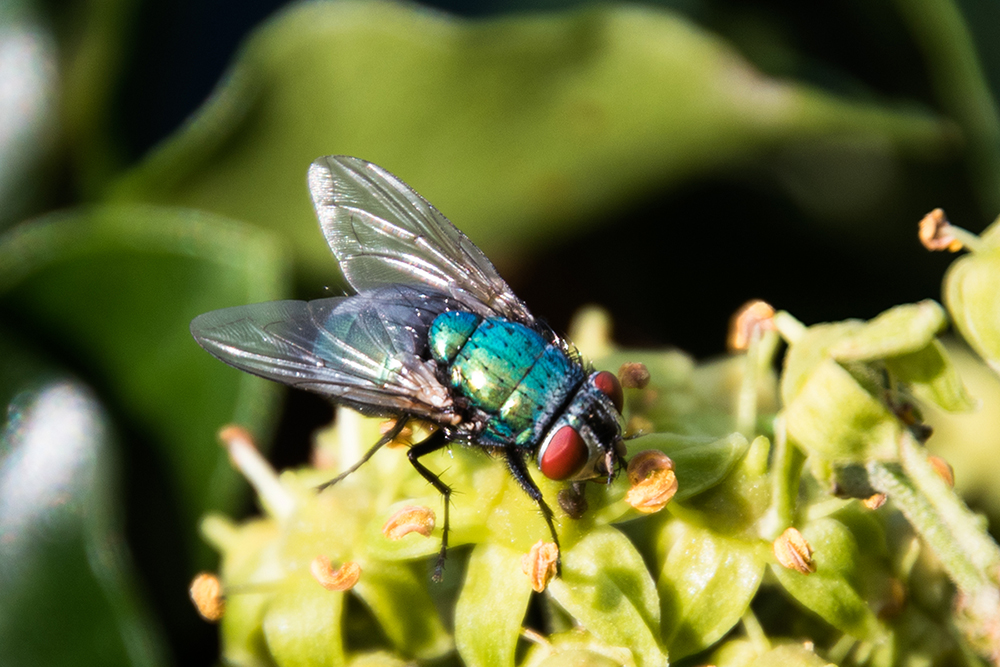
(704, 152)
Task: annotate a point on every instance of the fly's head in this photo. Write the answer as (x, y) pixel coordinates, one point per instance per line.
(585, 441)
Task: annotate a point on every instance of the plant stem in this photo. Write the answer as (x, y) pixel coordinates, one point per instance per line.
(789, 327)
(971, 242)
(786, 472)
(746, 398)
(966, 526)
(755, 633)
(937, 535)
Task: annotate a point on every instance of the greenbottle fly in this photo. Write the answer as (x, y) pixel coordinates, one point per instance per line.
(433, 333)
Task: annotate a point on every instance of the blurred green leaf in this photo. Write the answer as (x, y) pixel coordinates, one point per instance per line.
(706, 583)
(116, 288)
(70, 595)
(991, 235)
(955, 71)
(398, 598)
(246, 558)
(576, 648)
(29, 110)
(808, 352)
(377, 659)
(97, 53)
(901, 330)
(302, 623)
(838, 420)
(683, 398)
(513, 126)
(742, 653)
(838, 402)
(734, 653)
(931, 376)
(969, 441)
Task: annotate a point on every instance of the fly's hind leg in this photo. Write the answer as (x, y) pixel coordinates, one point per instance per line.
(435, 442)
(389, 436)
(515, 461)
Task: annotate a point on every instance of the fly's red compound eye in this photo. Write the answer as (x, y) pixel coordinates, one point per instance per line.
(610, 387)
(565, 455)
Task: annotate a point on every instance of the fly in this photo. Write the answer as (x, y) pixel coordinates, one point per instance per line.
(432, 333)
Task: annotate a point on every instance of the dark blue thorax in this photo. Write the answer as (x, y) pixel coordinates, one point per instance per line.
(505, 370)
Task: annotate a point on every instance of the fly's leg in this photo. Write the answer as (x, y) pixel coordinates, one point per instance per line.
(515, 461)
(435, 442)
(389, 436)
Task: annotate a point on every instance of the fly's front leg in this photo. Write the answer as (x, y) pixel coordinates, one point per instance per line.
(515, 461)
(389, 436)
(435, 442)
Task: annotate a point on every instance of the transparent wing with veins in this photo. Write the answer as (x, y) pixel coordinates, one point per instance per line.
(384, 233)
(368, 350)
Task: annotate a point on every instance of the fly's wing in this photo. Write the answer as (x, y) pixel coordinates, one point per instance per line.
(363, 350)
(382, 232)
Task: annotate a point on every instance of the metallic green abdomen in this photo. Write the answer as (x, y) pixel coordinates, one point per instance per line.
(506, 370)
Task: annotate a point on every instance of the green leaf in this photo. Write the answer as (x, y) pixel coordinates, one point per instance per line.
(991, 235)
(302, 624)
(833, 389)
(734, 506)
(249, 563)
(606, 587)
(706, 583)
(734, 653)
(810, 351)
(932, 377)
(832, 416)
(491, 606)
(898, 331)
(513, 126)
(574, 649)
(789, 655)
(116, 288)
(699, 463)
(832, 591)
(70, 594)
(973, 301)
(742, 653)
(969, 442)
(377, 659)
(399, 600)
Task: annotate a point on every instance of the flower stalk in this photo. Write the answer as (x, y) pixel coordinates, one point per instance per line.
(938, 535)
(969, 531)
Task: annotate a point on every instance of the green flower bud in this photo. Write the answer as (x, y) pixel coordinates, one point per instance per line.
(973, 300)
(845, 384)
